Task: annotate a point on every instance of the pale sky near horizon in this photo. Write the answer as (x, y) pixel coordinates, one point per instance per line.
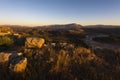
(46, 12)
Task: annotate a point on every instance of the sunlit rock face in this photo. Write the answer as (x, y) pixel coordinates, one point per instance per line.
(14, 61)
(34, 42)
(4, 57)
(18, 65)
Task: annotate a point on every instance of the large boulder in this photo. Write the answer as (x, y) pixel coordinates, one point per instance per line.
(18, 65)
(34, 42)
(14, 61)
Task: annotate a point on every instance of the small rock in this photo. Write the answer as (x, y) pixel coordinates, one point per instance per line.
(4, 57)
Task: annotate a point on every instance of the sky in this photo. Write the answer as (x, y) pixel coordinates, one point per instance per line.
(47, 12)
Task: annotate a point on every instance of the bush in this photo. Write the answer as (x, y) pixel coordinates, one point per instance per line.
(6, 41)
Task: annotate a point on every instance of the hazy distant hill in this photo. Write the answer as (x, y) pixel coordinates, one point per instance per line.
(101, 26)
(62, 27)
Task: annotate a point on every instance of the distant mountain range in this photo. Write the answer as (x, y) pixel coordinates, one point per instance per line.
(65, 26)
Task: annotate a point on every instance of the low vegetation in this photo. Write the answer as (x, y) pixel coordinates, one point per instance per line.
(6, 41)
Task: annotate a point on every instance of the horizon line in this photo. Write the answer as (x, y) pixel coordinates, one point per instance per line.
(58, 24)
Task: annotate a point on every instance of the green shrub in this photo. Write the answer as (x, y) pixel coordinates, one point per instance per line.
(6, 41)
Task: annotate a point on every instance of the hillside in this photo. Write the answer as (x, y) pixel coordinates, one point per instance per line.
(61, 27)
(60, 52)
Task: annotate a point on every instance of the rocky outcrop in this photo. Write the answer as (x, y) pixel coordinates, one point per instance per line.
(5, 31)
(34, 42)
(18, 65)
(14, 61)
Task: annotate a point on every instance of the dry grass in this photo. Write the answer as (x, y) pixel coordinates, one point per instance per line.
(78, 64)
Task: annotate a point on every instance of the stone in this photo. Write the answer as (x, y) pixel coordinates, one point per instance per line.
(18, 66)
(69, 46)
(14, 61)
(4, 57)
(53, 44)
(63, 44)
(34, 42)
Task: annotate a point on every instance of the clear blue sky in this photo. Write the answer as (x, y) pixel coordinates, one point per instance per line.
(45, 12)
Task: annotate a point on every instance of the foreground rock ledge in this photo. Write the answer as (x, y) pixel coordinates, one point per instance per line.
(19, 66)
(14, 61)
